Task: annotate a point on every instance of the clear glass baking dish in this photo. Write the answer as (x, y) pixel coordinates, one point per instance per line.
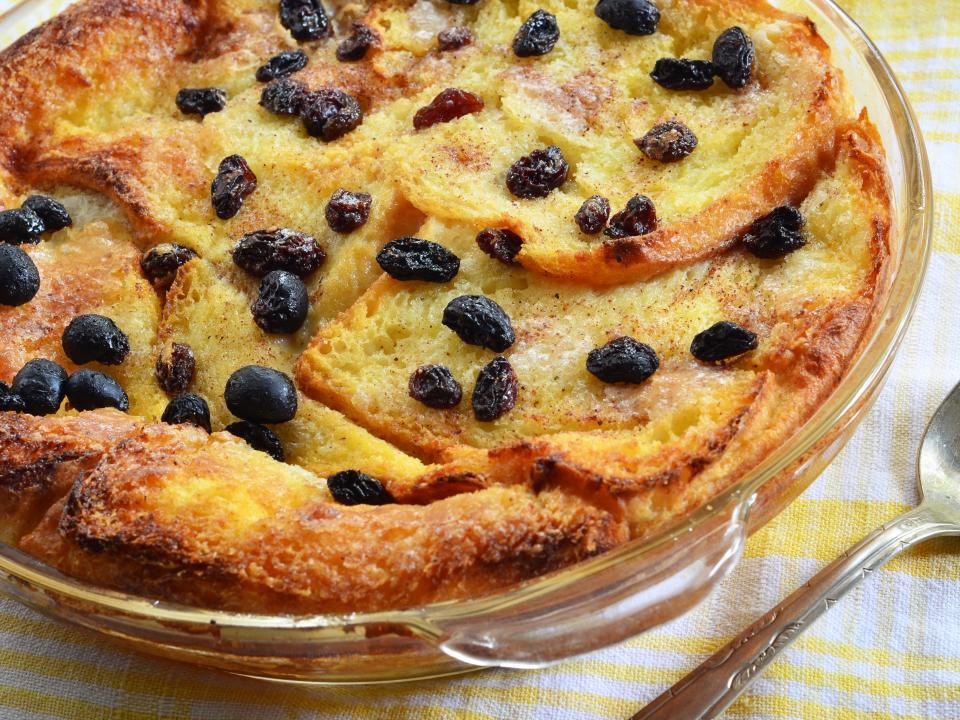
(588, 606)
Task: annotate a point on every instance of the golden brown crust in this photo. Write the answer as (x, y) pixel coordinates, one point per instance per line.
(578, 466)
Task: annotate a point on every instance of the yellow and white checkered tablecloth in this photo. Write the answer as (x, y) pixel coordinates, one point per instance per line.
(889, 650)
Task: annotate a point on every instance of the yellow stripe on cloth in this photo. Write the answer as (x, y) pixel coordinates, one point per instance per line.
(891, 649)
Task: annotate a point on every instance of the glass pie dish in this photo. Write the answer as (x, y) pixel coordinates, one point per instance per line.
(590, 605)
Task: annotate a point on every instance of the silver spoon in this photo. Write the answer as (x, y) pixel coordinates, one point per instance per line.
(711, 688)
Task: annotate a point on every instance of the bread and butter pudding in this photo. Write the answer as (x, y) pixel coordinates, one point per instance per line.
(336, 309)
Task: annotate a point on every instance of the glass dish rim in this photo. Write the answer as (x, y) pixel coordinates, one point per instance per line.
(868, 367)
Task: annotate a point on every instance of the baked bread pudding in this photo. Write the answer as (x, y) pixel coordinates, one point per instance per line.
(317, 308)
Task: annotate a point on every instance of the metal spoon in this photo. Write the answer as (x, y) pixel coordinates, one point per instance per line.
(712, 687)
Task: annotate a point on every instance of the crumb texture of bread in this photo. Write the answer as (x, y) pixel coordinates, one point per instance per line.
(578, 466)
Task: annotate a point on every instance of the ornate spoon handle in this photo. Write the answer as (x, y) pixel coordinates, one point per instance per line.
(711, 688)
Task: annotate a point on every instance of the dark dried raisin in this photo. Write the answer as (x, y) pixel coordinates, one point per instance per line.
(161, 262)
(355, 47)
(667, 142)
(305, 19)
(41, 384)
(733, 56)
(682, 74)
(10, 401)
(722, 340)
(95, 338)
(175, 368)
(261, 394)
(537, 36)
(19, 277)
(776, 234)
(281, 65)
(435, 387)
(537, 174)
(201, 101)
(478, 320)
(501, 244)
(233, 183)
(330, 113)
(410, 258)
(187, 409)
(352, 487)
(52, 214)
(19, 226)
(258, 437)
(283, 96)
(623, 360)
(638, 218)
(454, 38)
(448, 105)
(463, 2)
(634, 17)
(282, 304)
(347, 211)
(496, 390)
(264, 251)
(91, 389)
(592, 216)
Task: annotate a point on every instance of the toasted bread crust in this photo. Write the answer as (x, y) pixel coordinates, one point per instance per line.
(577, 467)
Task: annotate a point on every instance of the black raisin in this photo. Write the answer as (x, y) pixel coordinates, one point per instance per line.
(19, 277)
(733, 56)
(347, 211)
(95, 338)
(448, 105)
(635, 17)
(10, 401)
(258, 437)
(463, 2)
(282, 304)
(284, 96)
(682, 74)
(496, 390)
(638, 218)
(722, 340)
(264, 251)
(305, 19)
(188, 408)
(41, 384)
(410, 258)
(501, 244)
(435, 387)
(161, 262)
(776, 234)
(667, 142)
(201, 101)
(20, 225)
(454, 38)
(537, 174)
(355, 47)
(330, 113)
(537, 36)
(261, 394)
(91, 389)
(592, 216)
(175, 368)
(234, 181)
(352, 487)
(478, 320)
(623, 360)
(281, 65)
(52, 214)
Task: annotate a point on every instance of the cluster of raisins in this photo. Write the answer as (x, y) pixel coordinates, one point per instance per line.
(258, 396)
(639, 217)
(19, 276)
(328, 113)
(731, 61)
